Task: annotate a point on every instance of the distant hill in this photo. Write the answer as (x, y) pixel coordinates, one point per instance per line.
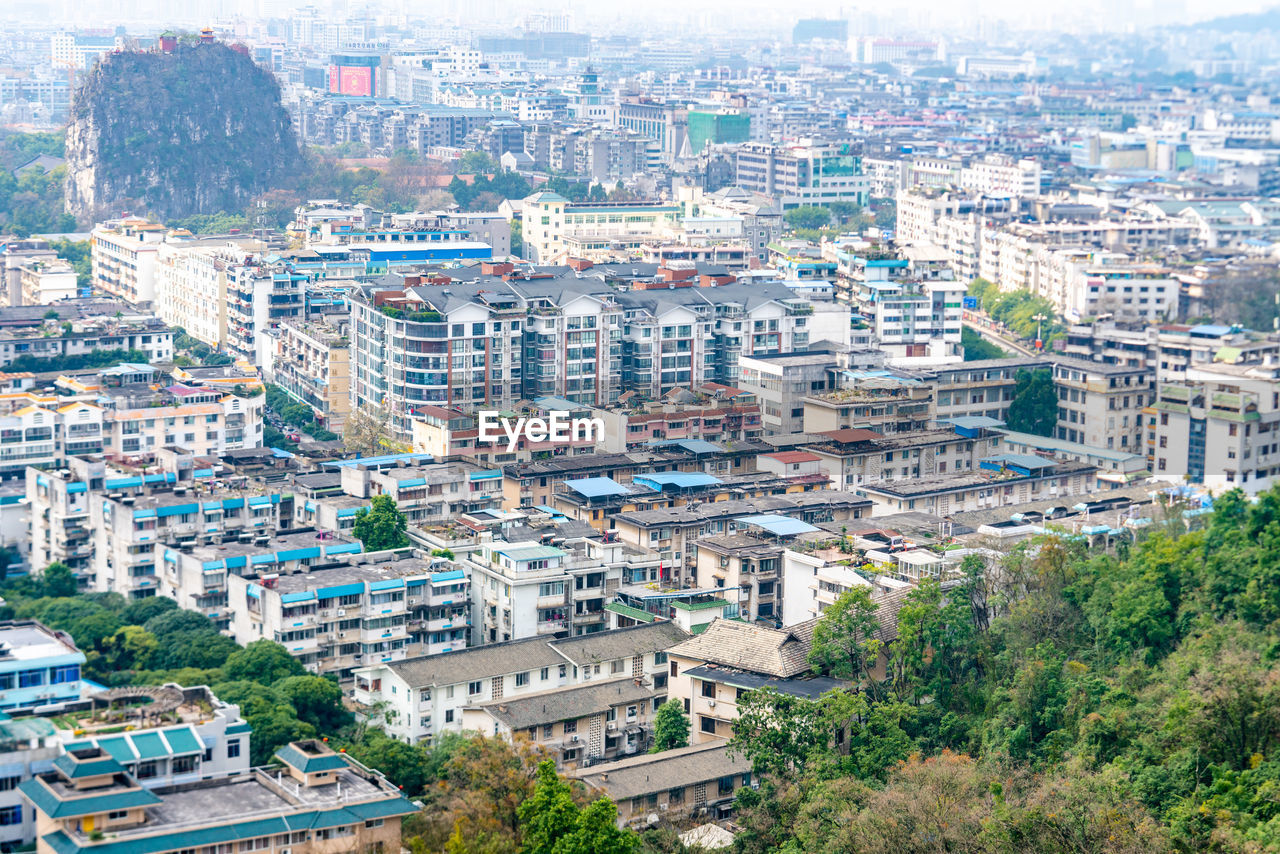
(1248, 22)
(196, 131)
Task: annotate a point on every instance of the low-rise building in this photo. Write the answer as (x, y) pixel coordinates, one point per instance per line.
(749, 569)
(1000, 481)
(338, 619)
(418, 699)
(672, 785)
(44, 282)
(315, 801)
(581, 725)
(40, 666)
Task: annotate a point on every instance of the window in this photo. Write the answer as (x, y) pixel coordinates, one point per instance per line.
(659, 658)
(8, 784)
(448, 716)
(570, 727)
(374, 822)
(726, 785)
(149, 769)
(675, 796)
(116, 815)
(30, 678)
(473, 688)
(707, 725)
(61, 675)
(709, 689)
(10, 815)
(522, 679)
(233, 748)
(675, 670)
(545, 674)
(184, 764)
(616, 666)
(547, 730)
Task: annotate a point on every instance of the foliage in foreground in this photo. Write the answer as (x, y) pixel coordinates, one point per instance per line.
(1068, 700)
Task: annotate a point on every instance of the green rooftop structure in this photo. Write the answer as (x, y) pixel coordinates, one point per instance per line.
(717, 126)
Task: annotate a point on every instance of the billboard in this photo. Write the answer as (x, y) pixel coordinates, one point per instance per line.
(970, 303)
(346, 80)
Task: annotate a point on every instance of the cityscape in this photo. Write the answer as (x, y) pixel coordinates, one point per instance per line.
(593, 429)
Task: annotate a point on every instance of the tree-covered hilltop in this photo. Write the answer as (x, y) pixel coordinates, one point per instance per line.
(1058, 699)
(196, 131)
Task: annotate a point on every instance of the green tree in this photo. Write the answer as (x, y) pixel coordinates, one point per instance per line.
(1034, 408)
(476, 161)
(381, 526)
(808, 217)
(139, 611)
(977, 348)
(58, 580)
(131, 648)
(7, 556)
(551, 823)
(670, 726)
(264, 662)
(780, 733)
(845, 640)
(317, 700)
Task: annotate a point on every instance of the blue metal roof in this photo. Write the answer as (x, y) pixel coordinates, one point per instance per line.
(1018, 461)
(781, 526)
(596, 487)
(693, 446)
(376, 461)
(678, 479)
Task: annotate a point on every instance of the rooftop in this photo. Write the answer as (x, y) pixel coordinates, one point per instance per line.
(684, 766)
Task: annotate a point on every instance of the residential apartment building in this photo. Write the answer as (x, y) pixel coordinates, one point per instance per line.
(43, 282)
(133, 534)
(335, 620)
(672, 531)
(191, 288)
(428, 696)
(1002, 480)
(556, 229)
(30, 745)
(41, 667)
(781, 383)
(1102, 405)
(747, 567)
(124, 254)
(804, 173)
(872, 400)
(45, 437)
(426, 493)
(89, 802)
(1001, 174)
(979, 388)
(1218, 427)
(851, 457)
(525, 589)
(312, 363)
(148, 335)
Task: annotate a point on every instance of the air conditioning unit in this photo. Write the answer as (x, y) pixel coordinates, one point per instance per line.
(342, 613)
(573, 739)
(711, 704)
(342, 634)
(613, 725)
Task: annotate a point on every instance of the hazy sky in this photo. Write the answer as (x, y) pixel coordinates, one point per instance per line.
(721, 14)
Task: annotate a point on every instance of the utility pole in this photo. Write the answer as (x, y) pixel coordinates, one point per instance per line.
(1039, 319)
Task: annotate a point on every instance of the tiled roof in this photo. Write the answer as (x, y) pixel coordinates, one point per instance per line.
(685, 766)
(773, 652)
(620, 643)
(566, 703)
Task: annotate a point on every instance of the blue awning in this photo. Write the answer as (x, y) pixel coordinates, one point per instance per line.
(299, 554)
(340, 590)
(343, 549)
(178, 510)
(490, 474)
(596, 487)
(780, 526)
(677, 479)
(144, 514)
(260, 559)
(388, 584)
(77, 487)
(448, 577)
(304, 596)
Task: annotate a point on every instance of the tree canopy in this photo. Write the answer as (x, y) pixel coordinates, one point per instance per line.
(1034, 408)
(381, 526)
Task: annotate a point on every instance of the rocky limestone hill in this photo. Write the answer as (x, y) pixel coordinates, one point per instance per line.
(196, 131)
